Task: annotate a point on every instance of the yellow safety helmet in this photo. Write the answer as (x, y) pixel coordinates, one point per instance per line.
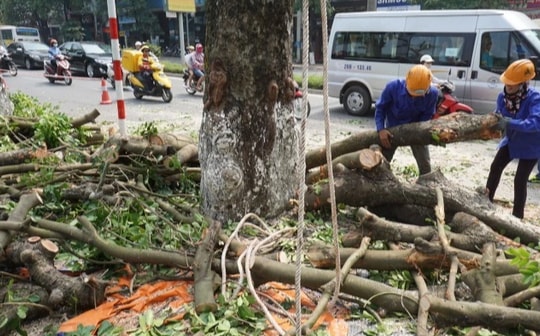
(518, 72)
(418, 80)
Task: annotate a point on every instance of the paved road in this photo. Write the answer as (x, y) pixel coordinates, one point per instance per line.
(465, 164)
(84, 95)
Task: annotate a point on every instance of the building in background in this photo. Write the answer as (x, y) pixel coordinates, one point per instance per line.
(188, 18)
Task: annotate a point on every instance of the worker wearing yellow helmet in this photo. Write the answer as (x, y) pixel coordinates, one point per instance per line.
(404, 101)
(518, 110)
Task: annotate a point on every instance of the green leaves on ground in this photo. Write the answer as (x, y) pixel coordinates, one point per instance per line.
(530, 269)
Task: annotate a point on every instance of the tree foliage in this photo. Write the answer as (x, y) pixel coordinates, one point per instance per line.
(41, 14)
(33, 13)
(145, 20)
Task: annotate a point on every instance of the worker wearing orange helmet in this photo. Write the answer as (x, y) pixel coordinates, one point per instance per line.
(518, 110)
(404, 101)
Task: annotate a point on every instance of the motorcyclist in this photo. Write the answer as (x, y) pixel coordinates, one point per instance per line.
(3, 52)
(427, 61)
(187, 61)
(138, 46)
(145, 63)
(197, 64)
(54, 51)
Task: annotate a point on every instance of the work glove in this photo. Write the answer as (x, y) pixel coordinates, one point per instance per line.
(385, 136)
(502, 121)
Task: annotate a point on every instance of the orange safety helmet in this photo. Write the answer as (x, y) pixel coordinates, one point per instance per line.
(518, 72)
(418, 80)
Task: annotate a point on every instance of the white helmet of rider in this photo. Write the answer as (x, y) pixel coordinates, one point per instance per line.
(138, 44)
(426, 59)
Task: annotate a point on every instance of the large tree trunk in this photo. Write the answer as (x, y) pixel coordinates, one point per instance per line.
(247, 140)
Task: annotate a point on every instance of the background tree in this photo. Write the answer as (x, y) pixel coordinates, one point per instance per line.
(146, 24)
(33, 13)
(247, 139)
(41, 14)
(72, 31)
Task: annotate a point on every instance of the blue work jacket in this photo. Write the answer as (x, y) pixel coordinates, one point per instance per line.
(523, 129)
(397, 107)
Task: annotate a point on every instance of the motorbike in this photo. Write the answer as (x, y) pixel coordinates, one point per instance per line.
(448, 103)
(6, 63)
(191, 88)
(298, 103)
(160, 87)
(62, 70)
(110, 76)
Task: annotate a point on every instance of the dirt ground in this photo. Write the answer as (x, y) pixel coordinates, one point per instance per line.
(467, 164)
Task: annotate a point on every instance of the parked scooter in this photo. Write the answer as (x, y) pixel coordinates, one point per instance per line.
(110, 76)
(298, 103)
(160, 87)
(6, 63)
(62, 70)
(448, 103)
(191, 88)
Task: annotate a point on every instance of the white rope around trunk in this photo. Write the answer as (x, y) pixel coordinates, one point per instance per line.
(302, 163)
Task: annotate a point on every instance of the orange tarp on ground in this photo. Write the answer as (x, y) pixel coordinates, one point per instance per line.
(336, 325)
(177, 293)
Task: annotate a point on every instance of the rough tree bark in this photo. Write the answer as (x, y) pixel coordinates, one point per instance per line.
(448, 129)
(379, 187)
(247, 138)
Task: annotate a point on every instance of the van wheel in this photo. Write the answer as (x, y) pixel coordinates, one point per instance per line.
(357, 101)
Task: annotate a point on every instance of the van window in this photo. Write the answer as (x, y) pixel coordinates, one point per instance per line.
(499, 49)
(446, 49)
(420, 45)
(358, 45)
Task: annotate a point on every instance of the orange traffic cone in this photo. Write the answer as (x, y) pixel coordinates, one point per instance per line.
(105, 99)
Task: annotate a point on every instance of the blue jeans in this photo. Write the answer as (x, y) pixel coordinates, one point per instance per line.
(198, 73)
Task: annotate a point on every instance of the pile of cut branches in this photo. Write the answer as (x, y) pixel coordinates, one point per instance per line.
(84, 202)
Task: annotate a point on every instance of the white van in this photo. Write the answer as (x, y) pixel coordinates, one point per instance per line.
(470, 47)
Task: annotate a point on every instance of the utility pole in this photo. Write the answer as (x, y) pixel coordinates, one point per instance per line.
(371, 6)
